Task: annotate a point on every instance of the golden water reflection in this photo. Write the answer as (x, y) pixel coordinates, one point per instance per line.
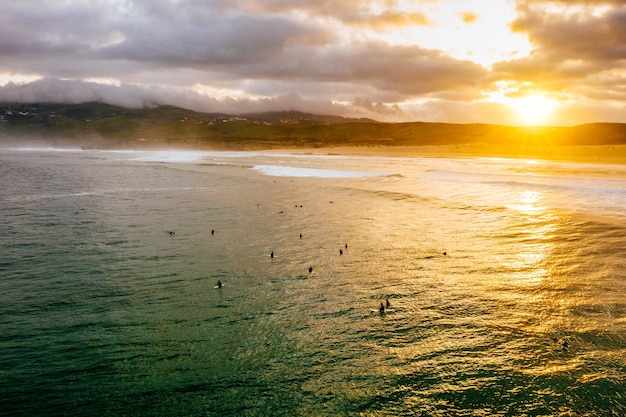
(533, 232)
(528, 202)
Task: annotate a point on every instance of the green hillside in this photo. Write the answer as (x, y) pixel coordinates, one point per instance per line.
(105, 126)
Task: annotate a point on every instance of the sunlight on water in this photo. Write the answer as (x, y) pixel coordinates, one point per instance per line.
(536, 245)
(505, 281)
(528, 202)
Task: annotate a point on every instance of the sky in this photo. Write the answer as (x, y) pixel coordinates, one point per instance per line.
(513, 62)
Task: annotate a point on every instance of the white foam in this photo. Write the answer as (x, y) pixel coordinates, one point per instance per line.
(176, 156)
(42, 149)
(287, 171)
(161, 156)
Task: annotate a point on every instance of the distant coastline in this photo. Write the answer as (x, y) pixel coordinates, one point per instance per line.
(601, 154)
(98, 125)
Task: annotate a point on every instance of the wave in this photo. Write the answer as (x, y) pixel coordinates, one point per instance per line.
(92, 193)
(391, 195)
(573, 192)
(161, 156)
(42, 149)
(288, 171)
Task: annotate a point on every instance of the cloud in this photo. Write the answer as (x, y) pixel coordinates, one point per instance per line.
(150, 38)
(232, 40)
(374, 57)
(71, 91)
(469, 17)
(569, 46)
(49, 90)
(578, 35)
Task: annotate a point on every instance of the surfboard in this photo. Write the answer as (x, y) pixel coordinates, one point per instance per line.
(387, 310)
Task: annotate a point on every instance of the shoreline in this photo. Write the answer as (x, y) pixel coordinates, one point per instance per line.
(601, 154)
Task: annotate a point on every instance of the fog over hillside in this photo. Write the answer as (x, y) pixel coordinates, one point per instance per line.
(52, 90)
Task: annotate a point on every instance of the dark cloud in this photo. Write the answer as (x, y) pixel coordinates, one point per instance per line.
(576, 36)
(158, 35)
(404, 70)
(230, 40)
(154, 35)
(592, 42)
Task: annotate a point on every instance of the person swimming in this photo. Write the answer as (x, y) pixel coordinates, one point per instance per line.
(340, 252)
(310, 269)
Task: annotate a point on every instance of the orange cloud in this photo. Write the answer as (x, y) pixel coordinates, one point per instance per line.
(469, 17)
(396, 19)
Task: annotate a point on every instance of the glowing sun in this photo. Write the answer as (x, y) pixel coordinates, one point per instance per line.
(533, 109)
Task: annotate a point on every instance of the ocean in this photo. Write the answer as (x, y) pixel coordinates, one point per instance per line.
(505, 278)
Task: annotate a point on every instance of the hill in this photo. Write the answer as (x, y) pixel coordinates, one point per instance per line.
(100, 125)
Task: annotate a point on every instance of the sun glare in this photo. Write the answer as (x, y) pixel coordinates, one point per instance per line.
(533, 109)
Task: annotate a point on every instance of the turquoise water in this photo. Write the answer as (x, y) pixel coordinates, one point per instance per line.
(489, 266)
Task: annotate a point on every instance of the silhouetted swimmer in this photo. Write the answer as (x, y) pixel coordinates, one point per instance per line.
(346, 246)
(381, 309)
(445, 252)
(388, 304)
(219, 284)
(310, 269)
(340, 252)
(171, 233)
(300, 235)
(272, 254)
(212, 231)
(565, 345)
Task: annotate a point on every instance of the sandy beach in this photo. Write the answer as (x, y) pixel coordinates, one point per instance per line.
(604, 154)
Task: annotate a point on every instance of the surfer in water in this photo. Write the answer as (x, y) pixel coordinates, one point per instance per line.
(387, 303)
(310, 269)
(381, 309)
(272, 254)
(219, 284)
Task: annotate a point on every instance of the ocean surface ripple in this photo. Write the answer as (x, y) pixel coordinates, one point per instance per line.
(505, 281)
